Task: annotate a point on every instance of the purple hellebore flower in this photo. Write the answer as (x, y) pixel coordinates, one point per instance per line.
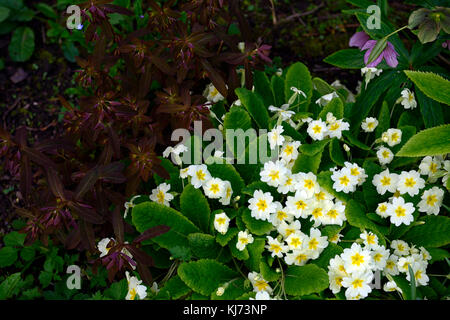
(359, 39)
(389, 54)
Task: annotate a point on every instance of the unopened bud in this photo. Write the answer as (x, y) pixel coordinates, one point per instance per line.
(346, 148)
(220, 127)
(220, 291)
(277, 270)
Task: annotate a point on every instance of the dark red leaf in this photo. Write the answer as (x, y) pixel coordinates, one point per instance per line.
(151, 233)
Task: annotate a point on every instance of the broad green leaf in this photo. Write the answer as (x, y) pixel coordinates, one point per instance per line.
(322, 86)
(298, 76)
(305, 280)
(428, 142)
(263, 88)
(150, 214)
(117, 290)
(438, 254)
(314, 148)
(237, 118)
(195, 207)
(9, 286)
(346, 59)
(238, 254)
(430, 109)
(258, 227)
(305, 163)
(335, 106)
(277, 84)
(14, 239)
(255, 251)
(27, 253)
(173, 289)
(203, 245)
(8, 255)
(47, 10)
(433, 85)
(223, 239)
(255, 107)
(358, 218)
(328, 253)
(268, 273)
(354, 142)
(336, 154)
(384, 120)
(4, 13)
(21, 46)
(434, 233)
(205, 276)
(233, 291)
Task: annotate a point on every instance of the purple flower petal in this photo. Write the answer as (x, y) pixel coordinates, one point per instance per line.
(369, 45)
(359, 39)
(390, 55)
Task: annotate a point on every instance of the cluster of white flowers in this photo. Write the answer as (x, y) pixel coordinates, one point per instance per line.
(357, 266)
(391, 137)
(214, 188)
(331, 128)
(348, 178)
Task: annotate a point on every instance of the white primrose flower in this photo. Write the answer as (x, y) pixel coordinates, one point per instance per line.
(336, 238)
(429, 166)
(244, 238)
(289, 151)
(283, 111)
(334, 129)
(102, 246)
(275, 247)
(391, 265)
(407, 99)
(385, 181)
(221, 222)
(357, 172)
(431, 201)
(299, 205)
(315, 243)
(161, 194)
(446, 172)
(384, 156)
(184, 173)
(317, 129)
(135, 288)
(391, 286)
(262, 295)
(281, 214)
(379, 257)
(344, 181)
(382, 209)
(322, 194)
(298, 257)
(357, 285)
(335, 280)
(288, 184)
(212, 94)
(369, 124)
(286, 229)
(356, 259)
(298, 92)
(401, 212)
(370, 240)
(275, 137)
(392, 137)
(410, 182)
(319, 208)
(214, 188)
(129, 205)
(274, 173)
(369, 73)
(175, 151)
(325, 99)
(226, 197)
(295, 240)
(199, 175)
(261, 205)
(401, 248)
(307, 182)
(258, 283)
(404, 262)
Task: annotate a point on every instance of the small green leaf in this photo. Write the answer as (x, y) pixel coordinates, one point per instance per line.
(9, 286)
(335, 106)
(255, 251)
(433, 85)
(14, 239)
(435, 232)
(428, 142)
(223, 239)
(258, 227)
(195, 207)
(4, 13)
(346, 59)
(357, 218)
(263, 88)
(255, 107)
(277, 84)
(305, 280)
(173, 289)
(8, 255)
(21, 46)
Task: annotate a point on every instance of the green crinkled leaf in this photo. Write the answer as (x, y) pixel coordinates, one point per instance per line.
(384, 120)
(305, 280)
(237, 118)
(298, 76)
(150, 214)
(322, 86)
(258, 227)
(4, 13)
(428, 142)
(354, 142)
(9, 286)
(195, 207)
(305, 163)
(430, 109)
(240, 255)
(346, 59)
(277, 84)
(117, 290)
(267, 273)
(433, 85)
(223, 239)
(14, 239)
(328, 253)
(263, 88)
(335, 106)
(8, 255)
(21, 46)
(203, 245)
(314, 148)
(173, 289)
(234, 290)
(434, 233)
(358, 218)
(255, 107)
(205, 276)
(438, 254)
(336, 154)
(255, 251)
(227, 172)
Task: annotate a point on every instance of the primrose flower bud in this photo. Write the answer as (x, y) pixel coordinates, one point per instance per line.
(220, 291)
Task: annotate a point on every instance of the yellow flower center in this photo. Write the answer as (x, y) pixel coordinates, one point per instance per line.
(332, 213)
(281, 215)
(274, 175)
(200, 175)
(357, 259)
(160, 196)
(262, 205)
(301, 205)
(301, 257)
(312, 244)
(371, 239)
(317, 129)
(400, 247)
(261, 285)
(385, 181)
(394, 137)
(354, 172)
(317, 212)
(133, 294)
(288, 150)
(377, 257)
(431, 200)
(289, 232)
(309, 184)
(295, 242)
(320, 196)
(221, 220)
(214, 188)
(370, 125)
(344, 180)
(385, 154)
(243, 240)
(358, 283)
(288, 182)
(382, 208)
(433, 167)
(275, 248)
(334, 126)
(400, 211)
(409, 182)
